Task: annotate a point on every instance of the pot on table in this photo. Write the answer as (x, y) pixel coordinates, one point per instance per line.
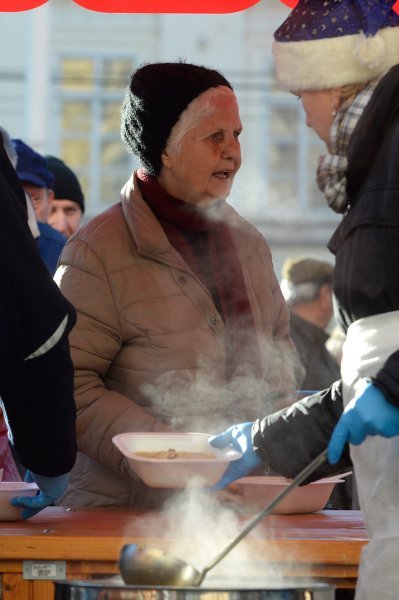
(110, 590)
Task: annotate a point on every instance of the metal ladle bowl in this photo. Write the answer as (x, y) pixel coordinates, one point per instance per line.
(152, 566)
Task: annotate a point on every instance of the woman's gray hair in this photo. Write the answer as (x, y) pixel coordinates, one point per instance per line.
(9, 146)
(200, 107)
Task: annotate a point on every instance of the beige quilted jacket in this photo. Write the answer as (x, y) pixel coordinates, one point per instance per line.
(149, 344)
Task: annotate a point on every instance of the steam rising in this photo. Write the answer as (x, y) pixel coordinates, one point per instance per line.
(196, 527)
(203, 406)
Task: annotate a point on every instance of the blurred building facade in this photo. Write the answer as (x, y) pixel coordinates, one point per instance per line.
(62, 76)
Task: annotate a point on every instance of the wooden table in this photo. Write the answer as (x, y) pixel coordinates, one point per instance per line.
(87, 541)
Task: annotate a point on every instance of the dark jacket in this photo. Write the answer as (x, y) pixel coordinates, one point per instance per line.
(366, 281)
(320, 367)
(37, 394)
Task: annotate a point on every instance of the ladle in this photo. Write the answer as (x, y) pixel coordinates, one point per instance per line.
(152, 566)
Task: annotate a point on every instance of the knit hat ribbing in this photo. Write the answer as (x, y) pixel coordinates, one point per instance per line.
(157, 95)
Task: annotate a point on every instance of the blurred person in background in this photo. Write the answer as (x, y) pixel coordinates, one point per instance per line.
(67, 208)
(37, 182)
(36, 371)
(342, 60)
(181, 321)
(307, 288)
(36, 179)
(13, 158)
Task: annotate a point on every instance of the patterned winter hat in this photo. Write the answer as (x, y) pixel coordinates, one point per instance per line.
(328, 43)
(157, 95)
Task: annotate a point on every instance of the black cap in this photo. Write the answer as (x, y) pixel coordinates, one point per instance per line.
(66, 185)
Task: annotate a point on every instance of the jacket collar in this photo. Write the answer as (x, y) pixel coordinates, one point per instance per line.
(151, 239)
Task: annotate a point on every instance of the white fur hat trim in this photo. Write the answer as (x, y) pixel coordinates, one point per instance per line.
(332, 62)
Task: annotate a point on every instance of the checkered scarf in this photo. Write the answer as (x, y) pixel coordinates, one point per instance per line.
(332, 167)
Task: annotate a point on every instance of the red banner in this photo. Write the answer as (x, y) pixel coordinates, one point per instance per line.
(142, 6)
(19, 5)
(167, 6)
(153, 6)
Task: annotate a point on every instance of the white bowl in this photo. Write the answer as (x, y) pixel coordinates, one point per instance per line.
(11, 489)
(177, 472)
(253, 493)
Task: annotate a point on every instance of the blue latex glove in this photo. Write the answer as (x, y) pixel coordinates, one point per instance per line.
(369, 413)
(238, 436)
(50, 489)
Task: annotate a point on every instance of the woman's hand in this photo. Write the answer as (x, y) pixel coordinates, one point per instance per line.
(369, 413)
(240, 437)
(50, 489)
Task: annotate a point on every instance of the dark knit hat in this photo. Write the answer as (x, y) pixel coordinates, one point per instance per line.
(66, 185)
(329, 43)
(157, 95)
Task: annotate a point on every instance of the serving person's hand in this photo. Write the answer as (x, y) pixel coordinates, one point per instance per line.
(50, 489)
(239, 436)
(369, 413)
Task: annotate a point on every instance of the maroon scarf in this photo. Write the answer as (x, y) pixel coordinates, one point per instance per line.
(207, 246)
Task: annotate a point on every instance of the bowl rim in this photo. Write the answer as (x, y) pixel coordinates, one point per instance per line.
(283, 481)
(162, 434)
(221, 455)
(17, 486)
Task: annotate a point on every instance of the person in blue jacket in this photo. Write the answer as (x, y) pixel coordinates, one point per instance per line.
(38, 182)
(36, 371)
(341, 58)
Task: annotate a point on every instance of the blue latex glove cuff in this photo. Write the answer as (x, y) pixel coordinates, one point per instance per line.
(50, 489)
(240, 437)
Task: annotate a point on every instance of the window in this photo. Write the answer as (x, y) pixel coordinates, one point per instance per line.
(89, 96)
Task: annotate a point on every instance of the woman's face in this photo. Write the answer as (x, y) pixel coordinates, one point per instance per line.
(319, 106)
(201, 169)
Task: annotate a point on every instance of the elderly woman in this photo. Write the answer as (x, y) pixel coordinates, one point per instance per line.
(181, 321)
(342, 59)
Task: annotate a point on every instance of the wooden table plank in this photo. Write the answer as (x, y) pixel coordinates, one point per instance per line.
(325, 545)
(331, 537)
(87, 522)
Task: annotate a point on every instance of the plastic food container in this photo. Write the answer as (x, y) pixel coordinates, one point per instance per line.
(10, 489)
(175, 472)
(253, 493)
